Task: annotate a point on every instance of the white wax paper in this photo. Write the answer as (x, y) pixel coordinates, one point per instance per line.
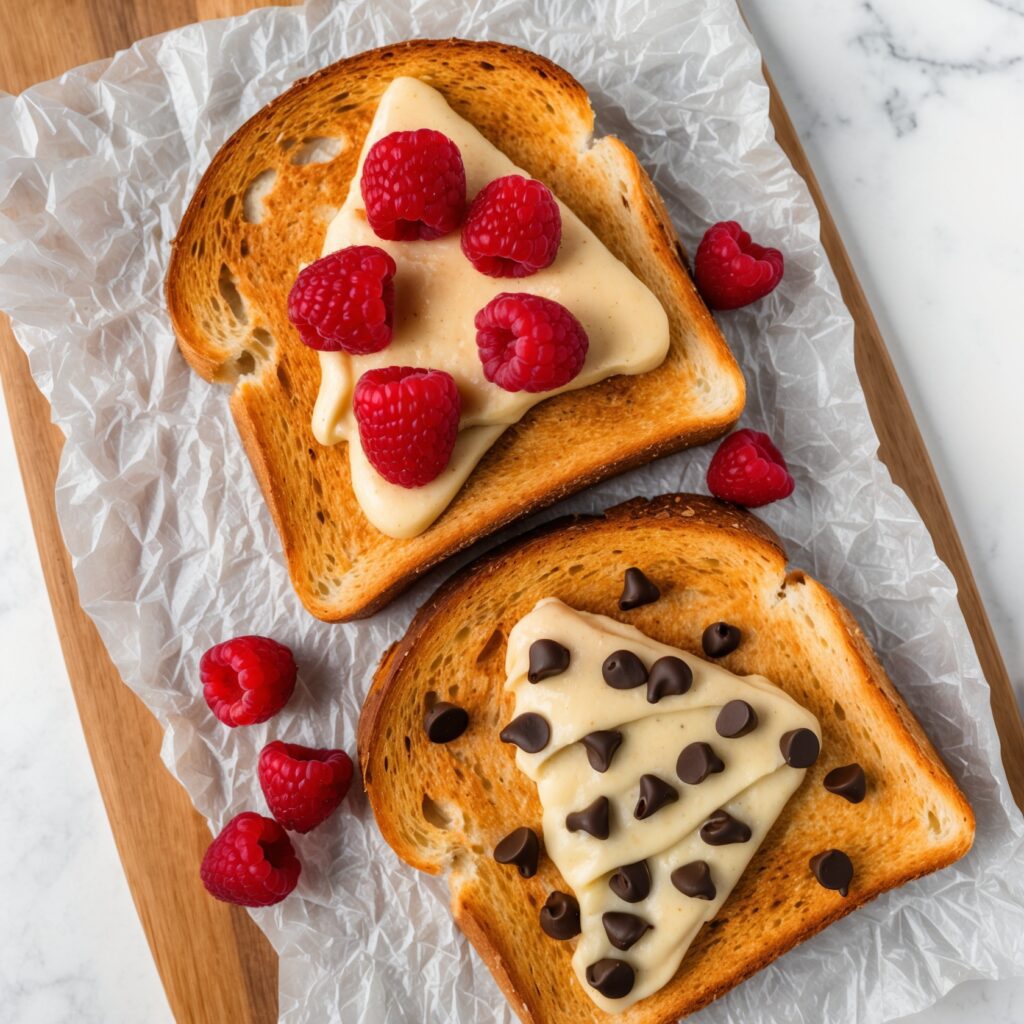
(174, 550)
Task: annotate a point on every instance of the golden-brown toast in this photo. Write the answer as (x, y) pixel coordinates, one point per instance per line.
(263, 208)
(444, 807)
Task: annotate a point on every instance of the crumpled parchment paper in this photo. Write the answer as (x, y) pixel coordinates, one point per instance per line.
(174, 550)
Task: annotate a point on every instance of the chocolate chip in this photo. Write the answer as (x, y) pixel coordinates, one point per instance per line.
(560, 916)
(720, 639)
(624, 929)
(529, 732)
(612, 978)
(595, 819)
(848, 782)
(547, 658)
(655, 793)
(834, 870)
(800, 748)
(631, 882)
(722, 829)
(521, 848)
(697, 762)
(445, 722)
(694, 879)
(601, 747)
(622, 670)
(637, 590)
(670, 676)
(736, 719)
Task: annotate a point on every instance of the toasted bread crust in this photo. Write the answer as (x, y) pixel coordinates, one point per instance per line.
(712, 560)
(236, 254)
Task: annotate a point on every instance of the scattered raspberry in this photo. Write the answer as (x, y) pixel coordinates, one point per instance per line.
(345, 301)
(251, 863)
(513, 228)
(528, 343)
(414, 186)
(408, 421)
(733, 271)
(247, 680)
(303, 786)
(749, 470)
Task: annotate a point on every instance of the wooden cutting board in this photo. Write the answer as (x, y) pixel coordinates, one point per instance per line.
(216, 966)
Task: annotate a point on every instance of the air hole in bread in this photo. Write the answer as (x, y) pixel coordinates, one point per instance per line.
(285, 142)
(244, 364)
(491, 647)
(227, 283)
(345, 107)
(259, 188)
(229, 205)
(262, 342)
(319, 149)
(340, 98)
(429, 699)
(933, 823)
(486, 65)
(840, 711)
(453, 690)
(408, 744)
(243, 248)
(282, 376)
(321, 519)
(434, 813)
(318, 488)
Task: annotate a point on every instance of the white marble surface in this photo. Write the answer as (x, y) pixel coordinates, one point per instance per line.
(911, 113)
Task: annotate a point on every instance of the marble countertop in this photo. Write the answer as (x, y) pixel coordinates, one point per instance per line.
(906, 110)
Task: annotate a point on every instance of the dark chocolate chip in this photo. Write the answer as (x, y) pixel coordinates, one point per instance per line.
(697, 762)
(637, 590)
(834, 870)
(601, 747)
(736, 719)
(670, 676)
(848, 782)
(529, 732)
(631, 882)
(547, 658)
(694, 879)
(722, 829)
(595, 819)
(445, 722)
(521, 848)
(720, 639)
(612, 978)
(655, 793)
(560, 916)
(624, 929)
(800, 748)
(622, 670)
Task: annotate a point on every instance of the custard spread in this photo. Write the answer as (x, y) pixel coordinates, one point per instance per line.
(438, 293)
(752, 783)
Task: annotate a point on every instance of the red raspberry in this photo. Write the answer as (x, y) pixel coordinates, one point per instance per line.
(345, 301)
(408, 421)
(749, 470)
(247, 680)
(733, 271)
(513, 228)
(251, 863)
(528, 343)
(303, 786)
(414, 186)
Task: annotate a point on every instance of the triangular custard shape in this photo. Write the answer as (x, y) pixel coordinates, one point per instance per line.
(752, 787)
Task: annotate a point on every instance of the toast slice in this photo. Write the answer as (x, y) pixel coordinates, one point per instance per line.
(262, 209)
(444, 807)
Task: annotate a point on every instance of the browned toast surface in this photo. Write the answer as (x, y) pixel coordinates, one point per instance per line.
(444, 807)
(262, 209)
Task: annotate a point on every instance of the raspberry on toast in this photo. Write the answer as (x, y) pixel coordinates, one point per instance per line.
(444, 807)
(261, 210)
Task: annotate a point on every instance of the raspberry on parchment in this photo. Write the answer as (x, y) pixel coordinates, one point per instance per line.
(733, 271)
(303, 786)
(251, 863)
(248, 679)
(749, 470)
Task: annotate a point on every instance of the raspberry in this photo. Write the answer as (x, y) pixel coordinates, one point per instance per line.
(408, 421)
(414, 186)
(247, 680)
(513, 228)
(251, 863)
(527, 343)
(345, 301)
(733, 271)
(303, 786)
(749, 470)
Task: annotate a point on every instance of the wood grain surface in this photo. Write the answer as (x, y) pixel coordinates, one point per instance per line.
(216, 967)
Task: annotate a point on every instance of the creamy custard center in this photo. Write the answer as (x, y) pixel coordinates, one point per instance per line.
(754, 786)
(438, 293)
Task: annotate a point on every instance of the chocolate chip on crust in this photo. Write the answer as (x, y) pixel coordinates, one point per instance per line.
(637, 590)
(720, 639)
(834, 870)
(560, 916)
(800, 748)
(849, 782)
(445, 722)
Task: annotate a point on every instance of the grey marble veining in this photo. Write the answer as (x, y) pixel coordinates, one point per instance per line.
(911, 113)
